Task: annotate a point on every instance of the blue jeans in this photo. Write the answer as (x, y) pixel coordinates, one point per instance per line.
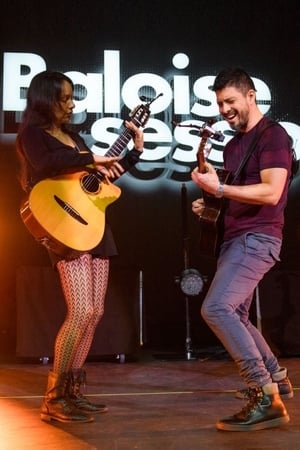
(242, 263)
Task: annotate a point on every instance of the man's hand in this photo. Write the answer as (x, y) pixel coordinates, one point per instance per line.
(198, 206)
(208, 181)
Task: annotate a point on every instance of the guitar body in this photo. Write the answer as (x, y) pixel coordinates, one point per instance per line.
(211, 221)
(60, 209)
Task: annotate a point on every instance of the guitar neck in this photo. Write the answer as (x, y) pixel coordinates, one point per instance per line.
(119, 145)
(122, 141)
(141, 115)
(116, 149)
(200, 154)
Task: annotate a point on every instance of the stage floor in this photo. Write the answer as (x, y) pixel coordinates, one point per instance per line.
(156, 402)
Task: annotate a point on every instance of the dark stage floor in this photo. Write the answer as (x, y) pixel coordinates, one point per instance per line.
(155, 403)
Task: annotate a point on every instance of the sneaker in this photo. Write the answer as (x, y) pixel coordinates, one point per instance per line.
(285, 387)
(263, 410)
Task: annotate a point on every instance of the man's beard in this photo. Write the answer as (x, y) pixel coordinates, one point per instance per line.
(242, 124)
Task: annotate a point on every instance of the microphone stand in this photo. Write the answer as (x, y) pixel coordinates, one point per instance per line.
(185, 240)
(190, 283)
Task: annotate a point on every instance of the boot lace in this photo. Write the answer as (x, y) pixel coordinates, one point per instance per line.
(255, 396)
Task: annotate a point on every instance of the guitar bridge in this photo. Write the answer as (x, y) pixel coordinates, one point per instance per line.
(70, 210)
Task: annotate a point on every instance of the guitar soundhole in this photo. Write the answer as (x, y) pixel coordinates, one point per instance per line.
(90, 183)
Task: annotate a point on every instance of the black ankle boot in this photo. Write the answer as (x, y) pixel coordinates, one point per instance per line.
(263, 410)
(57, 405)
(77, 380)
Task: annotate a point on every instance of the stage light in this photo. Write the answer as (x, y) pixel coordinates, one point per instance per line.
(191, 282)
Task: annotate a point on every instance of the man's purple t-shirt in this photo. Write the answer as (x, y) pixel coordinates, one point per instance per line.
(272, 150)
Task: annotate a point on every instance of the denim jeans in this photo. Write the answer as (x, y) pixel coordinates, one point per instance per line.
(242, 263)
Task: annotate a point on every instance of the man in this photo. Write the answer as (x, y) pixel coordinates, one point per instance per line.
(253, 222)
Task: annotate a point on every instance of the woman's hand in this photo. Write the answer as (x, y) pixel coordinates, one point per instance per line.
(137, 135)
(108, 165)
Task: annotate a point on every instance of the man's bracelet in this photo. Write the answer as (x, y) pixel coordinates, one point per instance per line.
(220, 191)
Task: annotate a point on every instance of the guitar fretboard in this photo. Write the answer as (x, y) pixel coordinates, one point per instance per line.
(122, 141)
(119, 145)
(200, 153)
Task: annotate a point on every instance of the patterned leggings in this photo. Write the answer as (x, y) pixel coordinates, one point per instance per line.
(84, 283)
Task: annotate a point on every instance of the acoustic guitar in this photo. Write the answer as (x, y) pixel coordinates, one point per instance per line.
(68, 211)
(211, 217)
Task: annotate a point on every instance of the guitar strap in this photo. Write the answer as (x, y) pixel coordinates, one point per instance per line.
(250, 150)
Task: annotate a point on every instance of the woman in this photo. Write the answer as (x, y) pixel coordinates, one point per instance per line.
(46, 148)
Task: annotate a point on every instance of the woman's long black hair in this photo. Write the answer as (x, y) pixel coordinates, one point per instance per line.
(43, 95)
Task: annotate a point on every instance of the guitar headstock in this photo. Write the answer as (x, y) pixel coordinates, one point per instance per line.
(140, 115)
(207, 131)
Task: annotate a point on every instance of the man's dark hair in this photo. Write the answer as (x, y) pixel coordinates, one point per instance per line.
(233, 76)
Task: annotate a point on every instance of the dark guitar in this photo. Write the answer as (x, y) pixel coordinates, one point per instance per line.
(68, 211)
(211, 217)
